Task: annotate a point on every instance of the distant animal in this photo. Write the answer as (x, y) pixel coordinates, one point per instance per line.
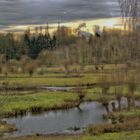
(98, 35)
(97, 31)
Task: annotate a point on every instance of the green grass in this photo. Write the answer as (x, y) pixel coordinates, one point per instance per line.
(61, 79)
(116, 136)
(57, 99)
(125, 114)
(135, 135)
(122, 89)
(132, 112)
(48, 99)
(57, 80)
(41, 99)
(44, 99)
(86, 68)
(51, 78)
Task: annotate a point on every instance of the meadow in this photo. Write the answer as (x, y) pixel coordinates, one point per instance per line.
(40, 74)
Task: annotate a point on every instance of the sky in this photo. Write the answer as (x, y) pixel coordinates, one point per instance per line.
(25, 12)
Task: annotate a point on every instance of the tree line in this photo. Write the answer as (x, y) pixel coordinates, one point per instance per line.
(27, 44)
(62, 47)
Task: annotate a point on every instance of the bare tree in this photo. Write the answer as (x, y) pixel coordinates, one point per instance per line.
(130, 10)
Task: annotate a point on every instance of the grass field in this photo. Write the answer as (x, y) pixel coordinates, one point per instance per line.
(55, 80)
(16, 102)
(125, 114)
(37, 81)
(47, 100)
(56, 77)
(57, 99)
(110, 136)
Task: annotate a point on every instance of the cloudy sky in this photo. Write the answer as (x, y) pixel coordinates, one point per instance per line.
(22, 12)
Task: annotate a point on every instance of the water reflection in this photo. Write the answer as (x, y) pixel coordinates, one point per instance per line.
(59, 121)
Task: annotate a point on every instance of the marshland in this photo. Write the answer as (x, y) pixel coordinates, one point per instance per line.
(71, 82)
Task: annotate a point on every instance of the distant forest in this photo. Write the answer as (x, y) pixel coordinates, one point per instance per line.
(113, 46)
(30, 45)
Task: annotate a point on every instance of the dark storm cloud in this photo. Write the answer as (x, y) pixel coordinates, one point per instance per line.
(16, 12)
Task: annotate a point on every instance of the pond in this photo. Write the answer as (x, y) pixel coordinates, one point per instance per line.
(59, 122)
(71, 121)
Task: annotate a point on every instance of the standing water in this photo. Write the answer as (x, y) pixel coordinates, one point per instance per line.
(59, 122)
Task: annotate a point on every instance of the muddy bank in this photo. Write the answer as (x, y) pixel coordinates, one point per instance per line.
(6, 128)
(130, 124)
